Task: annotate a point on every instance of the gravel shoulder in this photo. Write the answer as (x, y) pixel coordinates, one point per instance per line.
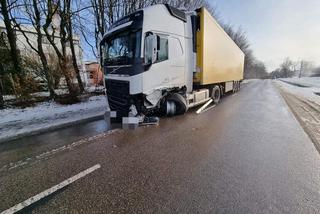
(307, 113)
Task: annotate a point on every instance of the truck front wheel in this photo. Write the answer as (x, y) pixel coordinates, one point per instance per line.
(176, 103)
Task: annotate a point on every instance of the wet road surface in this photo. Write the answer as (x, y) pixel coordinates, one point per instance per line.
(247, 155)
(25, 147)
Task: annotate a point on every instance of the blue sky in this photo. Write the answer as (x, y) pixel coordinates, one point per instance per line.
(276, 28)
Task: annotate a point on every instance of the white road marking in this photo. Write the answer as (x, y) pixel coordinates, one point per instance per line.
(49, 191)
(48, 154)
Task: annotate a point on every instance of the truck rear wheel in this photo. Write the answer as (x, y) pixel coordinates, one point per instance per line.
(216, 94)
(236, 86)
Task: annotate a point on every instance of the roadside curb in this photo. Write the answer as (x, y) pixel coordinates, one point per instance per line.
(52, 128)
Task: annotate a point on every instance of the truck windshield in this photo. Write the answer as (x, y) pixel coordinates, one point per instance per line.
(122, 48)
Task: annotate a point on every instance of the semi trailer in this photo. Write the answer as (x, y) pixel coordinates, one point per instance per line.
(161, 60)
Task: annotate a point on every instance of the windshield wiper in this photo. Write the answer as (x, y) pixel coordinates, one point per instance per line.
(120, 66)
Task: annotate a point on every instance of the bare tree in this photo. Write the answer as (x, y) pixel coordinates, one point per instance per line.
(35, 17)
(1, 92)
(53, 9)
(69, 28)
(306, 68)
(4, 62)
(287, 68)
(12, 39)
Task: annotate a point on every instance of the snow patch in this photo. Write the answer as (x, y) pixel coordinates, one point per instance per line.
(306, 87)
(14, 122)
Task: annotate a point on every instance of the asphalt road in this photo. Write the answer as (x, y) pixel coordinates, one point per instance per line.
(30, 146)
(247, 155)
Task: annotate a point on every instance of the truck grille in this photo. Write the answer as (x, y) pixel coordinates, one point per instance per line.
(118, 96)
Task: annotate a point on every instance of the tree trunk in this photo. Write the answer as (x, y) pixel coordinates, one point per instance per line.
(45, 66)
(60, 51)
(13, 85)
(67, 76)
(73, 54)
(12, 42)
(1, 94)
(40, 51)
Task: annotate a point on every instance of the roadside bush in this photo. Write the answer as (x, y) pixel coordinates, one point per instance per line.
(67, 99)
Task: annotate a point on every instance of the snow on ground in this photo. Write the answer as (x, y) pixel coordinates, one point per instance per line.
(305, 87)
(248, 80)
(305, 81)
(57, 91)
(48, 114)
(95, 88)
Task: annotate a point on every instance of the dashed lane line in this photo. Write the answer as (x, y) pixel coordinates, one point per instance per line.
(49, 191)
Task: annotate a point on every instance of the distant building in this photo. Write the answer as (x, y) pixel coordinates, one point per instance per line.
(94, 73)
(26, 50)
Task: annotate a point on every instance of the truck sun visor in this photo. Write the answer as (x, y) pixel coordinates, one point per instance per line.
(176, 13)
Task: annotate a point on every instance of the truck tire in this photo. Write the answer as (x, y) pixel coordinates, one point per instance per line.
(216, 94)
(180, 102)
(236, 86)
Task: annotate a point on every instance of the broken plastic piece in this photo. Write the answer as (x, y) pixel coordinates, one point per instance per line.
(150, 121)
(204, 106)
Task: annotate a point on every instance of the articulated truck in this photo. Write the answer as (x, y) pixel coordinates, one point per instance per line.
(161, 60)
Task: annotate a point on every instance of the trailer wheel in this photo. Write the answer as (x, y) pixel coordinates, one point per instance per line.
(216, 94)
(236, 86)
(180, 103)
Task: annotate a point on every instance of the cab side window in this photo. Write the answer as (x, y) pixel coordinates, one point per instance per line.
(162, 48)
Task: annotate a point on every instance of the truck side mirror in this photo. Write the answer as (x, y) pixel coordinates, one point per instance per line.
(150, 48)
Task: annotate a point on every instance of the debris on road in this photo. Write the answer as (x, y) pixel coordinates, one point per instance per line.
(204, 106)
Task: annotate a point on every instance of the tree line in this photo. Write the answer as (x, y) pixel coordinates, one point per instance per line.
(301, 68)
(57, 21)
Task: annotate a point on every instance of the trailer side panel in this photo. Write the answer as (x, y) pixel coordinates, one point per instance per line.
(219, 59)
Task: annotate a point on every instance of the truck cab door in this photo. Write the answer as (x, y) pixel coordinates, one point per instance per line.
(168, 69)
